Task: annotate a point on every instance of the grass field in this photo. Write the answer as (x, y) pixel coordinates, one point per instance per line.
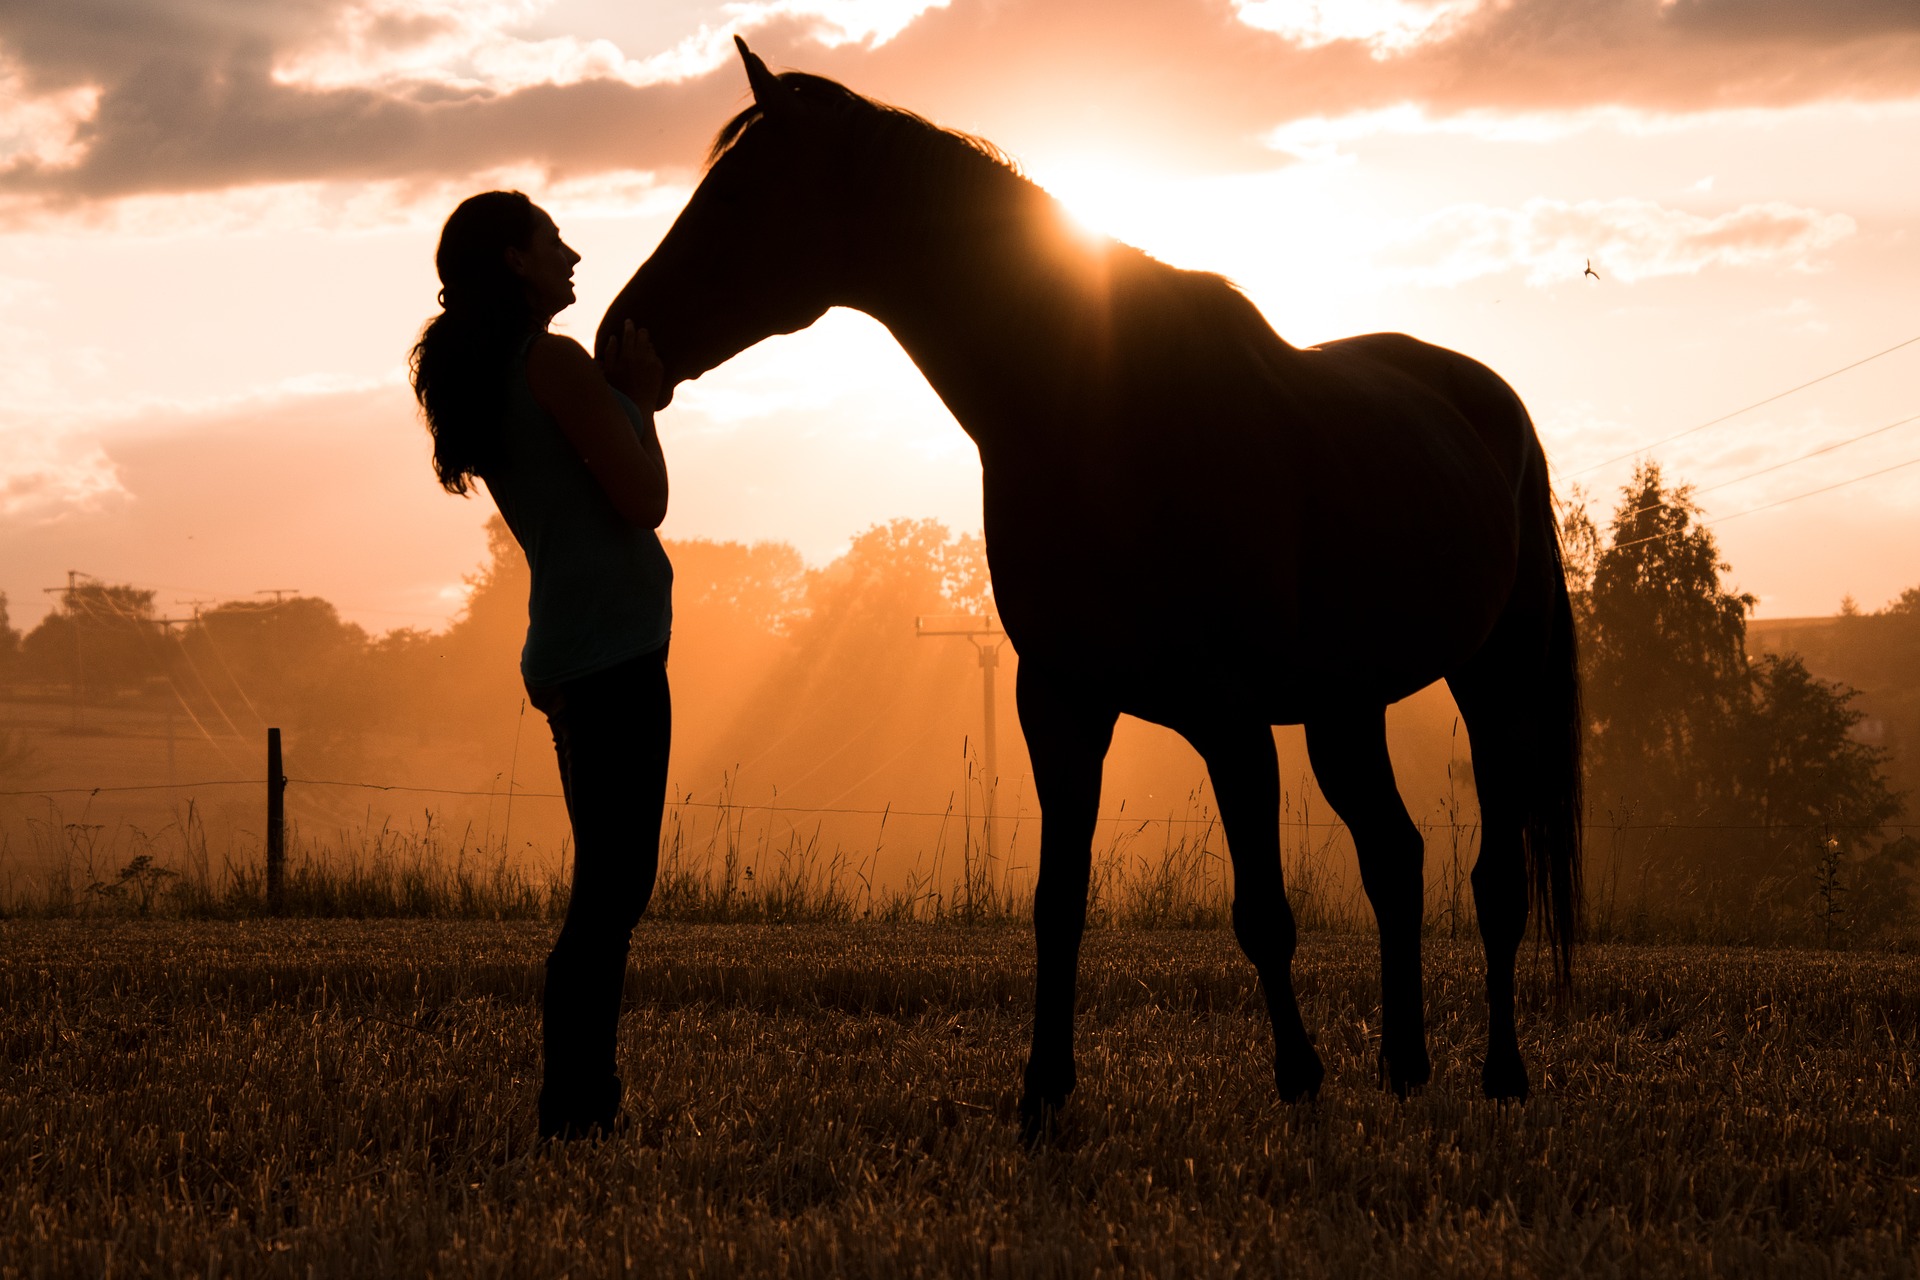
(352, 1097)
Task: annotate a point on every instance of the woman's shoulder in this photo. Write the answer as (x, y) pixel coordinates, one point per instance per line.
(556, 353)
(558, 366)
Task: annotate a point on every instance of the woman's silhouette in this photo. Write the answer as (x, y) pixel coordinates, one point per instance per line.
(566, 446)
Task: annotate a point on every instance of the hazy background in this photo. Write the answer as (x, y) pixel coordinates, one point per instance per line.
(216, 230)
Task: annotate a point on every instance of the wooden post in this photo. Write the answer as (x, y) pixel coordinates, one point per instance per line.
(276, 824)
(990, 758)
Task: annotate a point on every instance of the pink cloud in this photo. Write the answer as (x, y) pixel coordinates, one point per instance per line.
(1626, 239)
(196, 96)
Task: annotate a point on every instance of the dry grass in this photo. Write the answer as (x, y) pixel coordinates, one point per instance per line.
(719, 865)
(332, 1098)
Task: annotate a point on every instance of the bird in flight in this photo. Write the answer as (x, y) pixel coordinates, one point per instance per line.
(1590, 271)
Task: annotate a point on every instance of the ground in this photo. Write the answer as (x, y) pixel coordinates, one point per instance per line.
(356, 1098)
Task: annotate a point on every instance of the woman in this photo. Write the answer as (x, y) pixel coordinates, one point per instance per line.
(566, 446)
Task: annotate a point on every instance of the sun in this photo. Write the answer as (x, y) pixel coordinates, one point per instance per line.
(1178, 218)
(1102, 196)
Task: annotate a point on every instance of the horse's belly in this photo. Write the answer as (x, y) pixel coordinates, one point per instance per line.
(1277, 570)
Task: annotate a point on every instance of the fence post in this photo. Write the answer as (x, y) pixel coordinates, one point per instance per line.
(276, 823)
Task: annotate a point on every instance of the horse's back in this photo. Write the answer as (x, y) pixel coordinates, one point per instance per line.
(1329, 522)
(1486, 405)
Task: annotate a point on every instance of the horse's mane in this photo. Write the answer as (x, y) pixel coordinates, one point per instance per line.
(984, 167)
(834, 96)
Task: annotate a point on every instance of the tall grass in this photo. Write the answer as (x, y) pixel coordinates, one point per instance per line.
(728, 862)
(725, 863)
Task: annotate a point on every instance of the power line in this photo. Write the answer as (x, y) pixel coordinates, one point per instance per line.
(898, 813)
(1768, 506)
(144, 786)
(1714, 422)
(1838, 484)
(135, 622)
(1727, 484)
(1813, 453)
(194, 668)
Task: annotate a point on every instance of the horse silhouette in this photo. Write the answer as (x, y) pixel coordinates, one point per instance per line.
(1295, 535)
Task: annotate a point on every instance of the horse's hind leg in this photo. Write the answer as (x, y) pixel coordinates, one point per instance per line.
(1067, 739)
(1494, 730)
(1351, 764)
(1246, 780)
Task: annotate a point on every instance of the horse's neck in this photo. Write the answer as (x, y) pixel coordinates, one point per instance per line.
(992, 316)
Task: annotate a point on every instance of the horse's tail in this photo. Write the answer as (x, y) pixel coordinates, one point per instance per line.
(1555, 808)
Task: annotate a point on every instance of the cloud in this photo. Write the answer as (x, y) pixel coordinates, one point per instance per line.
(1321, 138)
(326, 490)
(47, 475)
(403, 47)
(42, 129)
(1626, 240)
(58, 461)
(1199, 85)
(178, 95)
(114, 97)
(1387, 27)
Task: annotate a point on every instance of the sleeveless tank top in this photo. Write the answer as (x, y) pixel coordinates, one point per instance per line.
(602, 589)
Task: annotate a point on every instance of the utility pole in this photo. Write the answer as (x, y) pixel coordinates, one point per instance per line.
(278, 593)
(173, 692)
(986, 636)
(71, 595)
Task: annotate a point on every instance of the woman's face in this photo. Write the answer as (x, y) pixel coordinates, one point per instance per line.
(546, 264)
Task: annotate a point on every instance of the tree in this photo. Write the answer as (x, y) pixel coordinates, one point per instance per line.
(758, 589)
(1752, 762)
(853, 707)
(285, 662)
(9, 644)
(1663, 655)
(1906, 605)
(1802, 773)
(102, 638)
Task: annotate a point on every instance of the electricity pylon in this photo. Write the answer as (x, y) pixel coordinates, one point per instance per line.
(984, 631)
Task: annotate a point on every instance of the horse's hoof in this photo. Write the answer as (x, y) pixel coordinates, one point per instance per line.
(1504, 1078)
(1049, 1079)
(1298, 1078)
(1406, 1072)
(1040, 1118)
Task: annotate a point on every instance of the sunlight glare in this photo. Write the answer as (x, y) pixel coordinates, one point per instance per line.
(1093, 195)
(1298, 238)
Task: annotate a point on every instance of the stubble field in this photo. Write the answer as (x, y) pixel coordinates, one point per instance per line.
(355, 1098)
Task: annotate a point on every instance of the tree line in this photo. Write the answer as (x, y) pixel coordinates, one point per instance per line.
(1710, 771)
(1751, 761)
(745, 616)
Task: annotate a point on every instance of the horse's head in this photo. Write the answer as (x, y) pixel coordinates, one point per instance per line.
(761, 246)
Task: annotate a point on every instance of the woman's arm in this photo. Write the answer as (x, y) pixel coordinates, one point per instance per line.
(570, 386)
(633, 368)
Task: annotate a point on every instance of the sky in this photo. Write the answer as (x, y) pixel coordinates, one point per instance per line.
(217, 221)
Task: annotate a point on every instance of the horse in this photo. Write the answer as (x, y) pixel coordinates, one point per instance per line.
(1306, 534)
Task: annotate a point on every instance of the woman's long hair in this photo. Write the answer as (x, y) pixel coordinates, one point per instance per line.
(460, 363)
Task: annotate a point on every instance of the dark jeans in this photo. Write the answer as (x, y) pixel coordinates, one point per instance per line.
(610, 732)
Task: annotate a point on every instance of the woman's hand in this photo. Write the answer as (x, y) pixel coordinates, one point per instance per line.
(630, 364)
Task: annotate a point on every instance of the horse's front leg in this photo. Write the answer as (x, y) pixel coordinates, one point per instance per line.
(1246, 781)
(1067, 737)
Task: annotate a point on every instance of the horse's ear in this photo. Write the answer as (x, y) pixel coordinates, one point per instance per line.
(768, 93)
